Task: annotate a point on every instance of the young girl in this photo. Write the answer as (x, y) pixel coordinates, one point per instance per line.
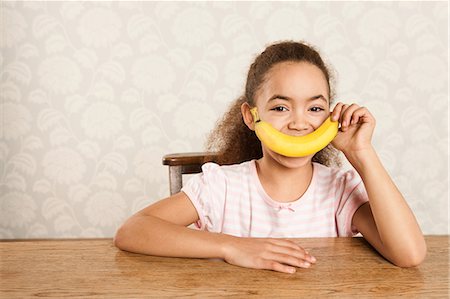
(248, 204)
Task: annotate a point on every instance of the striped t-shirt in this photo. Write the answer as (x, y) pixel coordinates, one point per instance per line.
(230, 199)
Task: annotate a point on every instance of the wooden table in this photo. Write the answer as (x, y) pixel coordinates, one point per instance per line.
(96, 269)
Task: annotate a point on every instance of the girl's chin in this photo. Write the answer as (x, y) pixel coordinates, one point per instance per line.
(291, 162)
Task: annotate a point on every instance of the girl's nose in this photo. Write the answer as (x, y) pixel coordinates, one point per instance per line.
(298, 123)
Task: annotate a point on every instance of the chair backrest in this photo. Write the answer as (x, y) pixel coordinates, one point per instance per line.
(185, 163)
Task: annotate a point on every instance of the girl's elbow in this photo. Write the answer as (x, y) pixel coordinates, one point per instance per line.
(121, 237)
(410, 262)
(413, 258)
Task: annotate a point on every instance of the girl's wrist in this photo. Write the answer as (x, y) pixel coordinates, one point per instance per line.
(225, 245)
(362, 159)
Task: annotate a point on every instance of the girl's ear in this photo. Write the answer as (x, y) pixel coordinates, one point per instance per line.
(247, 116)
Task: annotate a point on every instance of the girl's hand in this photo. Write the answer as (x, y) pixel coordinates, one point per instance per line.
(357, 126)
(271, 254)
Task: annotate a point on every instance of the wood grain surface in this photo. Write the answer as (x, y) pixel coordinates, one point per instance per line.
(94, 268)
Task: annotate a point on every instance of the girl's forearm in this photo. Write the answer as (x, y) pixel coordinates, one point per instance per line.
(396, 224)
(153, 236)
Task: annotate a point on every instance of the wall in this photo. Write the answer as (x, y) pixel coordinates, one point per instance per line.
(94, 94)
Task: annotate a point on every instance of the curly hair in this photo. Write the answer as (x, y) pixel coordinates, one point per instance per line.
(231, 139)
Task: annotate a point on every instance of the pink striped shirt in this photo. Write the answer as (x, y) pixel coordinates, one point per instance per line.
(230, 199)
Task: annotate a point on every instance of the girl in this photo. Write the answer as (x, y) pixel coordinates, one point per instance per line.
(248, 206)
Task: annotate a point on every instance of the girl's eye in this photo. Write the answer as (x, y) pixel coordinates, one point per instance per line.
(279, 108)
(316, 109)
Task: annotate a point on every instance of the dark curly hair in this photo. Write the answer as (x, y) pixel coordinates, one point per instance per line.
(231, 139)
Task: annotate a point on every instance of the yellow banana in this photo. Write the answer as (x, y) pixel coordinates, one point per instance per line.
(294, 146)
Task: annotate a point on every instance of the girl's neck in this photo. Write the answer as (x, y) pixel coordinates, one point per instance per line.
(281, 183)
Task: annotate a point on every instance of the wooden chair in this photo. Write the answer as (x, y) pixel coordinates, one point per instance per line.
(185, 163)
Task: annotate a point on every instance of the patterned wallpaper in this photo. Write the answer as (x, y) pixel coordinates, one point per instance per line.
(93, 94)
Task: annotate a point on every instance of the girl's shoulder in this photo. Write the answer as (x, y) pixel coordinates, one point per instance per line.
(219, 176)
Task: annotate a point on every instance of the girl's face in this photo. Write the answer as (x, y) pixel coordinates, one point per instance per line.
(294, 99)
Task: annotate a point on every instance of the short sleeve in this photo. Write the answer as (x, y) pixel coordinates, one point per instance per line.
(207, 191)
(352, 195)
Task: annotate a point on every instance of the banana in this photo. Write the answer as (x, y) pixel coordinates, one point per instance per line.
(294, 146)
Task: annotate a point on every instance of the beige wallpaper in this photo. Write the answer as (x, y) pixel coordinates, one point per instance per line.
(94, 94)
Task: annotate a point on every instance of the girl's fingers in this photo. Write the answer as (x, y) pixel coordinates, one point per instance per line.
(286, 243)
(339, 113)
(291, 249)
(275, 266)
(347, 114)
(335, 115)
(268, 253)
(357, 115)
(288, 260)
